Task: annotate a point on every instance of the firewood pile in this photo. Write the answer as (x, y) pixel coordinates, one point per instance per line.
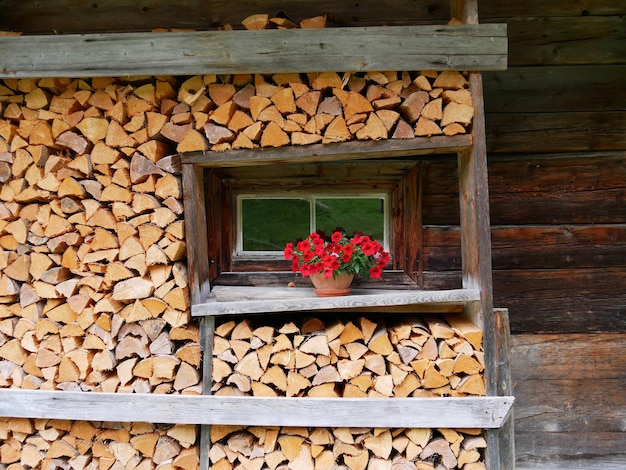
(252, 111)
(43, 443)
(273, 448)
(421, 357)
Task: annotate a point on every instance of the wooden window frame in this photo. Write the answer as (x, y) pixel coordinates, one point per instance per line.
(398, 178)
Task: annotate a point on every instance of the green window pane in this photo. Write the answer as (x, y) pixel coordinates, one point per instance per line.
(354, 214)
(268, 224)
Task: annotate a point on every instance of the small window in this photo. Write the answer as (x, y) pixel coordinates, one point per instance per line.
(266, 223)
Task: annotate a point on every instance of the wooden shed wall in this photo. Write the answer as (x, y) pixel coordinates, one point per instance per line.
(556, 127)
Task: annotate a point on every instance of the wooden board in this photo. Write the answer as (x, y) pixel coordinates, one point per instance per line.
(557, 132)
(126, 15)
(566, 40)
(532, 89)
(516, 247)
(539, 189)
(330, 152)
(465, 47)
(550, 301)
(500, 8)
(475, 412)
(568, 401)
(233, 300)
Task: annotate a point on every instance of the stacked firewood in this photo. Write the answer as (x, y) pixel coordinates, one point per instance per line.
(252, 111)
(93, 276)
(420, 357)
(43, 443)
(257, 448)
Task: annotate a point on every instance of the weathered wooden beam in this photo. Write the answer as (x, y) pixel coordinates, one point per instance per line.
(463, 47)
(233, 300)
(473, 412)
(355, 150)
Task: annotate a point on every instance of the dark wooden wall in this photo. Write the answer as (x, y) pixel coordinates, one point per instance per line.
(556, 126)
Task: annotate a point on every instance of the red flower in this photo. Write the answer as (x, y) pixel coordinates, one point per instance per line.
(375, 272)
(336, 254)
(289, 250)
(369, 248)
(304, 245)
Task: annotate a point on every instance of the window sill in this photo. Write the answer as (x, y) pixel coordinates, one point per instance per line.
(233, 300)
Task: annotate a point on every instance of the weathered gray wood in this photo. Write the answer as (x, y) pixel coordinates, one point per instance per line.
(545, 189)
(569, 409)
(566, 40)
(557, 132)
(465, 47)
(233, 301)
(207, 330)
(63, 17)
(549, 300)
(538, 8)
(195, 216)
(555, 89)
(330, 152)
(501, 440)
(580, 463)
(533, 246)
(474, 217)
(474, 412)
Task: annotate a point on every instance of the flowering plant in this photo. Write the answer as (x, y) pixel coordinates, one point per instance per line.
(337, 254)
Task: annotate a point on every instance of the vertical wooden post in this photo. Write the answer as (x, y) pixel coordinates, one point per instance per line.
(199, 286)
(476, 255)
(196, 230)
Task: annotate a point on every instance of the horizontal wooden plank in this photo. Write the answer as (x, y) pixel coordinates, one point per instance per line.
(475, 412)
(615, 462)
(550, 89)
(576, 406)
(238, 300)
(63, 17)
(392, 279)
(540, 40)
(505, 8)
(568, 402)
(565, 188)
(554, 301)
(556, 132)
(464, 47)
(558, 356)
(532, 247)
(330, 152)
(571, 445)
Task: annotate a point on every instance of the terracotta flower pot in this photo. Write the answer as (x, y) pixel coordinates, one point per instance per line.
(331, 287)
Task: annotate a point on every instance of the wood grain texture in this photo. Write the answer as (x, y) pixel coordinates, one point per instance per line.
(233, 301)
(541, 189)
(566, 40)
(559, 8)
(532, 89)
(516, 247)
(556, 132)
(568, 400)
(549, 301)
(466, 47)
(330, 152)
(475, 412)
(128, 15)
